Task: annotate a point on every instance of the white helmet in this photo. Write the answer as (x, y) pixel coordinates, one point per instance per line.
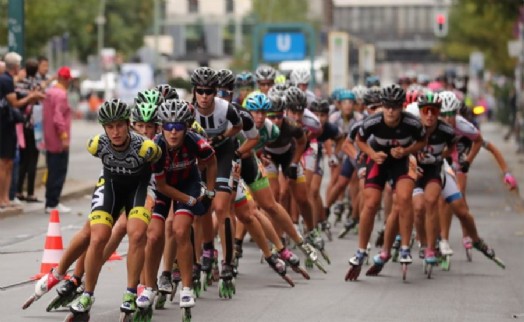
(413, 109)
(450, 102)
(359, 91)
(300, 76)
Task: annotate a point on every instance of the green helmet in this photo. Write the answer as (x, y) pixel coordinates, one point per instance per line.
(152, 96)
(113, 110)
(144, 112)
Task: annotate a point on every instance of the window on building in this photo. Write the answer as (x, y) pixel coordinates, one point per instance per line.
(193, 6)
(230, 6)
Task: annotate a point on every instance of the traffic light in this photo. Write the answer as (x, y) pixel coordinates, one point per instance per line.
(441, 24)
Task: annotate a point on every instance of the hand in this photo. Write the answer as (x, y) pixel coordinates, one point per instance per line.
(192, 201)
(216, 139)
(65, 145)
(333, 161)
(266, 159)
(464, 166)
(510, 181)
(292, 171)
(235, 170)
(379, 157)
(398, 152)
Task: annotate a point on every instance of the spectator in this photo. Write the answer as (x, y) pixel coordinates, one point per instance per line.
(57, 133)
(29, 153)
(43, 69)
(9, 102)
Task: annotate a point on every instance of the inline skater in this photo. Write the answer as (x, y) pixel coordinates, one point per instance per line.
(265, 76)
(214, 114)
(244, 84)
(397, 134)
(300, 77)
(179, 183)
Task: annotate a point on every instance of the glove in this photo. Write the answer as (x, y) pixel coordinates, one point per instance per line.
(292, 171)
(510, 180)
(333, 161)
(464, 166)
(216, 139)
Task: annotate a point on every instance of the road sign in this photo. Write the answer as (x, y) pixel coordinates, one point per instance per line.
(366, 58)
(280, 46)
(133, 79)
(15, 27)
(338, 60)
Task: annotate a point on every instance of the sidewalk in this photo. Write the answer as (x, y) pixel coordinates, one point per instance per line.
(494, 133)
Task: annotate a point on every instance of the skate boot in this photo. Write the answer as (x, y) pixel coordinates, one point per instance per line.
(348, 225)
(215, 271)
(187, 301)
(481, 246)
(355, 263)
(468, 246)
(226, 285)
(293, 261)
(378, 263)
(421, 251)
(311, 255)
(379, 242)
(67, 293)
(176, 278)
(338, 209)
(395, 247)
(405, 260)
(145, 305)
(237, 254)
(446, 253)
(207, 266)
(317, 241)
(197, 285)
(279, 266)
(44, 284)
(165, 288)
(128, 306)
(80, 308)
(430, 260)
(325, 226)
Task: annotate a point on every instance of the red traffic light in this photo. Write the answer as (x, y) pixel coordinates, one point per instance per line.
(441, 19)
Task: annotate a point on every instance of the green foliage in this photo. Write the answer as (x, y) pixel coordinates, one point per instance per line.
(484, 26)
(126, 24)
(180, 82)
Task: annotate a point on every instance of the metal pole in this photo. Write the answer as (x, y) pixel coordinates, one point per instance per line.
(156, 31)
(100, 22)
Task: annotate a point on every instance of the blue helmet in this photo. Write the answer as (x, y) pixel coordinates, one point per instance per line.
(335, 92)
(258, 102)
(372, 81)
(244, 79)
(346, 94)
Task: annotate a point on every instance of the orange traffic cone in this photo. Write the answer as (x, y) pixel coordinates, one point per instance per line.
(54, 247)
(115, 257)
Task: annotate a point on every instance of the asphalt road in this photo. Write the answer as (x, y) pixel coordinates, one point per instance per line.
(476, 291)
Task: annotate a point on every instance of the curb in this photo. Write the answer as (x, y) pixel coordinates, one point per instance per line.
(78, 190)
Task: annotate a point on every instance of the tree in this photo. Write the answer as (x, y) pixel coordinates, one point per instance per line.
(484, 26)
(126, 24)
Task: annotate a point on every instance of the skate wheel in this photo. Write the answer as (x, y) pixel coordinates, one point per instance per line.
(404, 271)
(469, 255)
(429, 270)
(288, 280)
(186, 314)
(320, 267)
(126, 317)
(304, 273)
(78, 317)
(172, 295)
(29, 302)
(161, 301)
(499, 262)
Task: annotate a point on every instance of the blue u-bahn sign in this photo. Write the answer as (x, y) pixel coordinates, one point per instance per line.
(280, 46)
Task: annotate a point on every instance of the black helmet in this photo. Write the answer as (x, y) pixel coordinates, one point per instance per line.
(112, 111)
(226, 79)
(276, 97)
(321, 106)
(295, 98)
(372, 97)
(393, 95)
(167, 91)
(204, 76)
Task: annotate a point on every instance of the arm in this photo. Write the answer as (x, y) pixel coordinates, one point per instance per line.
(498, 156)
(59, 120)
(246, 147)
(170, 191)
(475, 148)
(299, 149)
(11, 99)
(349, 148)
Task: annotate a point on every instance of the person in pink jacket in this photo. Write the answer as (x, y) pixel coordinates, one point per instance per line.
(57, 134)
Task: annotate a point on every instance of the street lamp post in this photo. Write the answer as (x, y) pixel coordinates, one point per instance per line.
(100, 21)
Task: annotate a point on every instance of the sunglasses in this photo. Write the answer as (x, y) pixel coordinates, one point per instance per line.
(374, 107)
(224, 93)
(448, 114)
(392, 107)
(206, 91)
(275, 116)
(177, 126)
(260, 84)
(427, 109)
